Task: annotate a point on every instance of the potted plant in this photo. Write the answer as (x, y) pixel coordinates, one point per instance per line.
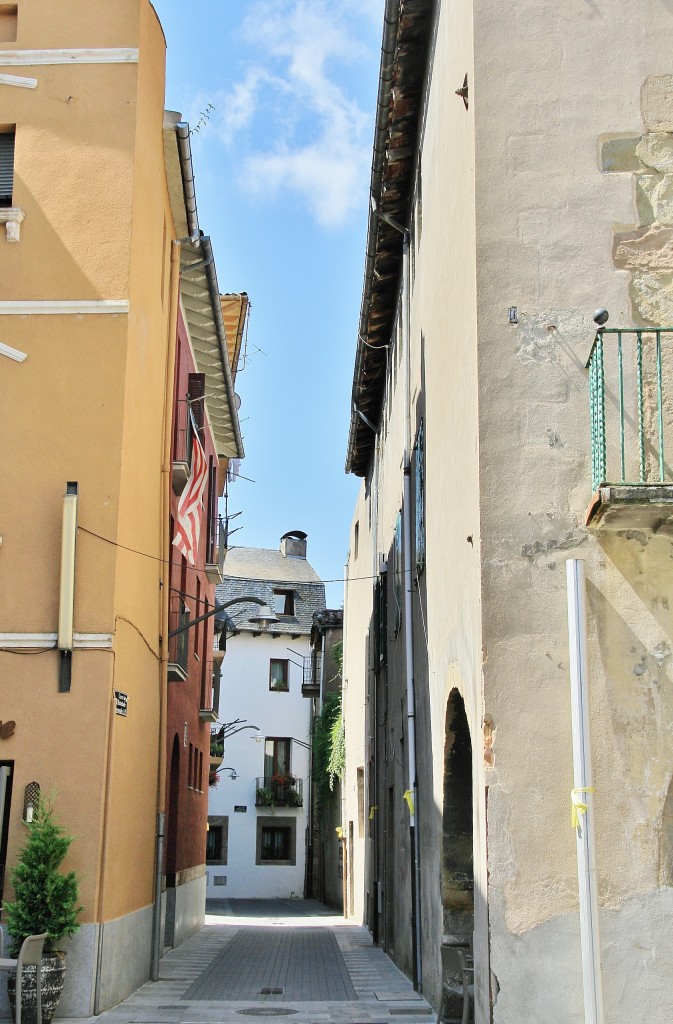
(45, 900)
(266, 797)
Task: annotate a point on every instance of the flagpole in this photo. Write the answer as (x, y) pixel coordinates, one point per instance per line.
(583, 795)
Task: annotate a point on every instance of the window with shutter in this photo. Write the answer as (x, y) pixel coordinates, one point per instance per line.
(197, 392)
(6, 167)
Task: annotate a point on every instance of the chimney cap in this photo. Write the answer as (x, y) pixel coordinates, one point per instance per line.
(294, 535)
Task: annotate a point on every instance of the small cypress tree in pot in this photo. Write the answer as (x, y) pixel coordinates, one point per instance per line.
(45, 900)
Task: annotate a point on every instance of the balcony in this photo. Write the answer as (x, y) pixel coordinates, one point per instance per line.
(310, 686)
(178, 646)
(279, 791)
(210, 694)
(630, 376)
(216, 550)
(216, 747)
(182, 447)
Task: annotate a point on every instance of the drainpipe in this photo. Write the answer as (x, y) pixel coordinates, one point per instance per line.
(409, 626)
(165, 592)
(583, 796)
(374, 711)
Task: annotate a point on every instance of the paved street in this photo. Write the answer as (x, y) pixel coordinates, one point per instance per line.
(274, 958)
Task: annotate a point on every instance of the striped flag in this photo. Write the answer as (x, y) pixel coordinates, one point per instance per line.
(188, 526)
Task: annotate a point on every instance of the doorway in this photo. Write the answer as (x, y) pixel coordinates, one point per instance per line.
(457, 878)
(6, 776)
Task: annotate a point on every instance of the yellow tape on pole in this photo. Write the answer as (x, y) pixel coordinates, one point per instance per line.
(578, 808)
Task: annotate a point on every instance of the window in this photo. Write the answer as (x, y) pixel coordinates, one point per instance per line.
(276, 757)
(217, 839)
(7, 137)
(356, 539)
(196, 389)
(419, 496)
(279, 674)
(283, 602)
(380, 645)
(276, 841)
(9, 16)
(398, 573)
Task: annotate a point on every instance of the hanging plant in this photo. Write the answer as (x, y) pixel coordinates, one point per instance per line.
(329, 748)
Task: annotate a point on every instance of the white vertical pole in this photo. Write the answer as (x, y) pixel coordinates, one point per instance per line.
(583, 795)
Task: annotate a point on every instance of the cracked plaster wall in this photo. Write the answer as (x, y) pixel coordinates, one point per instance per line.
(527, 220)
(563, 95)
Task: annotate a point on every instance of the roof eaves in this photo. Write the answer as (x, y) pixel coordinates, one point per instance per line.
(401, 83)
(200, 293)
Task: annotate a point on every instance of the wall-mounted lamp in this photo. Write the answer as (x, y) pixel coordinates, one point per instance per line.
(264, 617)
(31, 798)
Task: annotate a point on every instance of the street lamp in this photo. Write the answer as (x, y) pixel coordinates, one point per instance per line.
(265, 617)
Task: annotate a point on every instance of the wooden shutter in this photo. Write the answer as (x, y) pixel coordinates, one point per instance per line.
(197, 391)
(6, 167)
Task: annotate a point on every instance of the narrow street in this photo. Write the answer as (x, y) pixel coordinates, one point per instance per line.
(274, 958)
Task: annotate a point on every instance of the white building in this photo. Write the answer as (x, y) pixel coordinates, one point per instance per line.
(259, 827)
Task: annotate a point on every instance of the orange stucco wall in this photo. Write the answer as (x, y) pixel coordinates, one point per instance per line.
(87, 405)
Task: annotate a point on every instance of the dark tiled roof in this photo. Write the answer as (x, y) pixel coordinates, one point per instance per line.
(257, 572)
(268, 564)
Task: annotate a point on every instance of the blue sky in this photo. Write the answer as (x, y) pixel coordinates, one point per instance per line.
(282, 173)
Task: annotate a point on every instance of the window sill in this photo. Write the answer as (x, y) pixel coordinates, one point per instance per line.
(12, 217)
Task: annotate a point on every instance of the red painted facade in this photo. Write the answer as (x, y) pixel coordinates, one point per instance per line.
(191, 595)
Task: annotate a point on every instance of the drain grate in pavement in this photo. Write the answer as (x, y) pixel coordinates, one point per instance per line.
(397, 1011)
(271, 991)
(266, 1011)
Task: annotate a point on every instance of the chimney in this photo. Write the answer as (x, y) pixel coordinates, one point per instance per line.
(293, 544)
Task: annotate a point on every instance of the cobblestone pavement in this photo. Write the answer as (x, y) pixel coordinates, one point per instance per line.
(274, 958)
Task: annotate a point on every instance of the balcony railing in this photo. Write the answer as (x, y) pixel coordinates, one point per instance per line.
(210, 694)
(310, 686)
(178, 645)
(279, 791)
(630, 377)
(216, 550)
(182, 446)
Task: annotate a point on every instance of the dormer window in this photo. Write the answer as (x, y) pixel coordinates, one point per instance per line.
(283, 602)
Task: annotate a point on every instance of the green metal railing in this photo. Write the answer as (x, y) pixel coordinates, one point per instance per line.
(627, 368)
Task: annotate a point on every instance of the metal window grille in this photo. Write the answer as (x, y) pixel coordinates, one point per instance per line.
(6, 167)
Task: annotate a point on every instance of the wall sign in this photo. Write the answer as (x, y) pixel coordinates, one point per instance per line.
(7, 730)
(240, 809)
(121, 703)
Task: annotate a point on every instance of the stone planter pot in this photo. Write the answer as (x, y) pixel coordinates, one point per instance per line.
(53, 976)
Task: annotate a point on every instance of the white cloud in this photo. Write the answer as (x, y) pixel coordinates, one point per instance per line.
(317, 140)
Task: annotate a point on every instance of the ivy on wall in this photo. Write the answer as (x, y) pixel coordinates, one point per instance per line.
(329, 749)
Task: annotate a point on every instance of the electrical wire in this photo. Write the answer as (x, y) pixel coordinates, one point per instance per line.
(27, 650)
(166, 561)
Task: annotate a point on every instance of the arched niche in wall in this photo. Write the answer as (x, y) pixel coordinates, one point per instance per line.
(457, 879)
